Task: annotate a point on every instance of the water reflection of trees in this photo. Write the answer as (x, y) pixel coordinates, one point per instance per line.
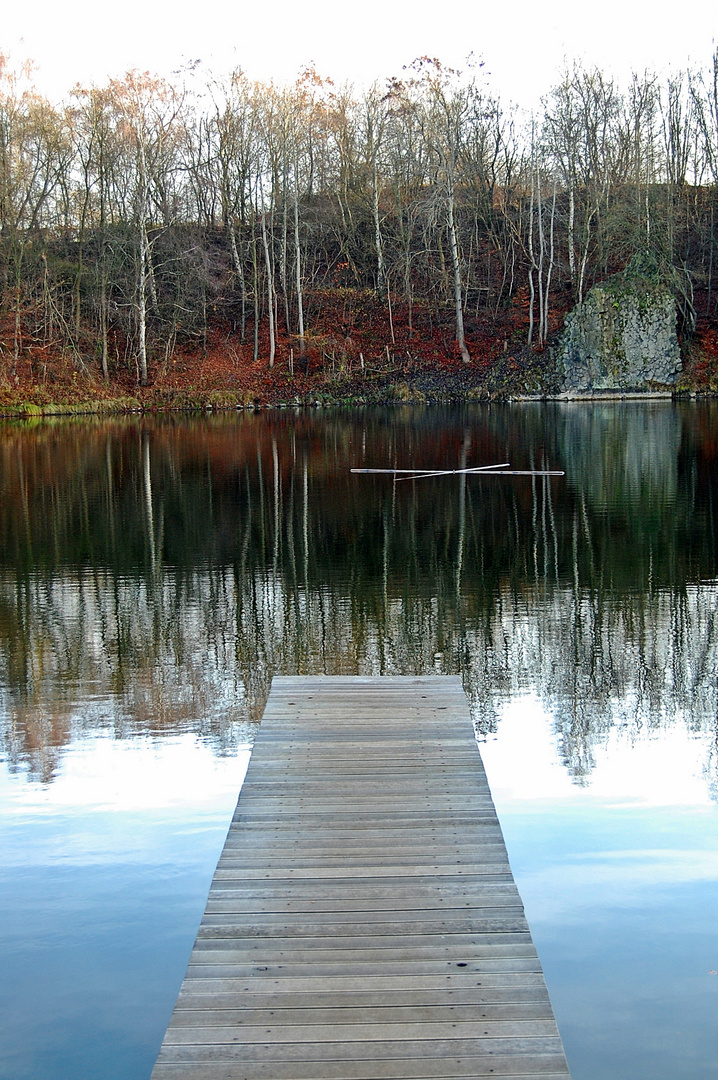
(156, 575)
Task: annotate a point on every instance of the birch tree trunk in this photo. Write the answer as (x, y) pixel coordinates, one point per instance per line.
(584, 257)
(283, 257)
(550, 264)
(104, 357)
(298, 270)
(270, 286)
(104, 360)
(571, 228)
(142, 307)
(240, 275)
(542, 247)
(458, 300)
(532, 263)
(151, 273)
(377, 233)
(255, 289)
(143, 254)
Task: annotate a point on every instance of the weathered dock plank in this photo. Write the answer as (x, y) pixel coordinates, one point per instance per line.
(363, 922)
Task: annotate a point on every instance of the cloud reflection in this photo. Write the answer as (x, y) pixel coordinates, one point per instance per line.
(631, 767)
(114, 800)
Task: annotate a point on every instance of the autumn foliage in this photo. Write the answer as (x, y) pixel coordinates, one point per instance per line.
(235, 243)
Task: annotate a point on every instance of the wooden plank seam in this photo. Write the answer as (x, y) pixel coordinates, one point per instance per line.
(363, 922)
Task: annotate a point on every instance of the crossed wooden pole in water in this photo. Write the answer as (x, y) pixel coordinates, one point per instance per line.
(504, 469)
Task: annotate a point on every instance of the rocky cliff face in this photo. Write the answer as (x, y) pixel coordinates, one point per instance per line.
(622, 337)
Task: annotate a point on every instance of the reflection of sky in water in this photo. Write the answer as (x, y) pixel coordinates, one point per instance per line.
(105, 876)
(138, 641)
(620, 884)
(110, 863)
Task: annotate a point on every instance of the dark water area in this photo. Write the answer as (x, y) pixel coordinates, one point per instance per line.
(156, 573)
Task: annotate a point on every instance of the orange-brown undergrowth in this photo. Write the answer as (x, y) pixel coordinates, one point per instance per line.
(356, 349)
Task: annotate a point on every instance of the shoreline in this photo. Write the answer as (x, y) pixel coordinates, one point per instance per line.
(122, 406)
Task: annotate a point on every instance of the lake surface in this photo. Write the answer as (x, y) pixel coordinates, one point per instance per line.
(156, 573)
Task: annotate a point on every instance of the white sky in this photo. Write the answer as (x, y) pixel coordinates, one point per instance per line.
(523, 44)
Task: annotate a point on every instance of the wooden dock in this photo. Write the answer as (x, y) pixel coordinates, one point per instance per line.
(363, 921)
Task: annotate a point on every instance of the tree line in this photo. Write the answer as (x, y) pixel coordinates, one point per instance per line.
(136, 215)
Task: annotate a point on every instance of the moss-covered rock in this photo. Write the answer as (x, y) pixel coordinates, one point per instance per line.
(622, 337)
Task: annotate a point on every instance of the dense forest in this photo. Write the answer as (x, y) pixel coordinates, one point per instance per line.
(150, 219)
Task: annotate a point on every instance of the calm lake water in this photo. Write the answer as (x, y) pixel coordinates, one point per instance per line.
(156, 573)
